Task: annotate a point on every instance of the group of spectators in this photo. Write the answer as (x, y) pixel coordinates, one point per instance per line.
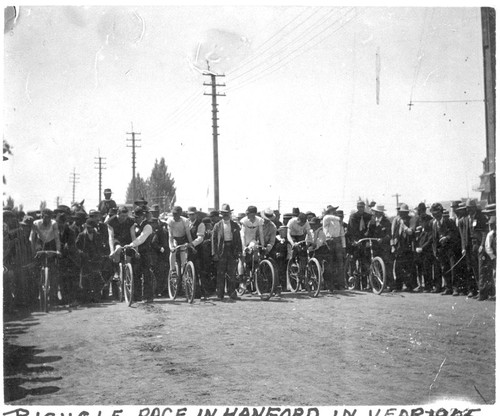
(427, 249)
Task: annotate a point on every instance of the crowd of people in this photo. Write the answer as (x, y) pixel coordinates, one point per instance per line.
(425, 249)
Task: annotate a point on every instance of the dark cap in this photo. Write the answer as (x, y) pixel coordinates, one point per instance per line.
(139, 211)
(251, 209)
(107, 191)
(213, 213)
(63, 208)
(295, 212)
(46, 211)
(177, 209)
(91, 223)
(436, 207)
(192, 210)
(123, 210)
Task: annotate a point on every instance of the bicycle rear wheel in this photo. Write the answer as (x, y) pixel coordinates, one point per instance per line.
(120, 285)
(128, 284)
(377, 275)
(265, 279)
(314, 277)
(292, 275)
(189, 280)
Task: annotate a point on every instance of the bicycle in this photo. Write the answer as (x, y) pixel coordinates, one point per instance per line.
(187, 274)
(126, 276)
(377, 276)
(314, 275)
(262, 274)
(45, 278)
(295, 269)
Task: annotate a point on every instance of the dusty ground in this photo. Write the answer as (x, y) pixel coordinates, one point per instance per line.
(349, 348)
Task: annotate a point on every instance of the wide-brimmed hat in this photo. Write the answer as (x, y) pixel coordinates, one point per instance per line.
(252, 209)
(403, 208)
(378, 208)
(330, 208)
(192, 210)
(90, 223)
(62, 209)
(139, 211)
(471, 203)
(141, 202)
(421, 207)
(225, 208)
(460, 207)
(490, 209)
(455, 203)
(268, 214)
(437, 207)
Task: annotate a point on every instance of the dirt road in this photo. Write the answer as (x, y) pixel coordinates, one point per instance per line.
(349, 348)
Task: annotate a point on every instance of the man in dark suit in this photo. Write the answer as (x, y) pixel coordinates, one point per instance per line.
(475, 228)
(445, 239)
(226, 251)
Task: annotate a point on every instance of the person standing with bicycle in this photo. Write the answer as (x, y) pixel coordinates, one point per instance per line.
(379, 227)
(322, 252)
(251, 225)
(269, 232)
(121, 231)
(143, 244)
(335, 240)
(298, 231)
(197, 231)
(178, 234)
(45, 237)
(226, 251)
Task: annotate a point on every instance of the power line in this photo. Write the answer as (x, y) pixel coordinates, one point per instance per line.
(263, 74)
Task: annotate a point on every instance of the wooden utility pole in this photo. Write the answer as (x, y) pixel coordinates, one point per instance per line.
(74, 178)
(99, 165)
(215, 133)
(133, 146)
(397, 199)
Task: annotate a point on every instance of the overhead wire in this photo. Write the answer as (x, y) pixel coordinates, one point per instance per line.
(298, 49)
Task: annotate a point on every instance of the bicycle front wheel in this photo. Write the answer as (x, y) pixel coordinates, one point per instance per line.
(44, 290)
(314, 277)
(377, 275)
(189, 279)
(128, 284)
(173, 285)
(292, 275)
(265, 279)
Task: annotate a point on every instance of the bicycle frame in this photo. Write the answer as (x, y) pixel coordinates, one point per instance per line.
(45, 278)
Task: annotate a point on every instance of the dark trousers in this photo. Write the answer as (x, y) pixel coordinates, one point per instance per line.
(472, 261)
(423, 264)
(445, 260)
(227, 264)
(487, 268)
(324, 257)
(337, 253)
(405, 270)
(143, 279)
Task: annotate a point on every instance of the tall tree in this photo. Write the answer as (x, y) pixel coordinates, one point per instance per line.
(162, 186)
(141, 189)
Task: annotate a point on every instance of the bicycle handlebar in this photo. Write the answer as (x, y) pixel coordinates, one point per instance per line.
(367, 239)
(182, 247)
(48, 253)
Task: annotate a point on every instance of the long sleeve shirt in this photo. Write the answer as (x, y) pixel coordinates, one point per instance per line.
(249, 231)
(491, 244)
(296, 230)
(333, 228)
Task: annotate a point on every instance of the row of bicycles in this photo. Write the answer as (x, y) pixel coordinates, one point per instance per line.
(261, 274)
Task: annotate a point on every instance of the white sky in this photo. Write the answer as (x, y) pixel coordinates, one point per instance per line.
(299, 121)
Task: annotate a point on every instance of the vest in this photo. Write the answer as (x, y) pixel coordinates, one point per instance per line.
(146, 246)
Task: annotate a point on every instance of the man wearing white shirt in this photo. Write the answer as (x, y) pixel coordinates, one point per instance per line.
(335, 239)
